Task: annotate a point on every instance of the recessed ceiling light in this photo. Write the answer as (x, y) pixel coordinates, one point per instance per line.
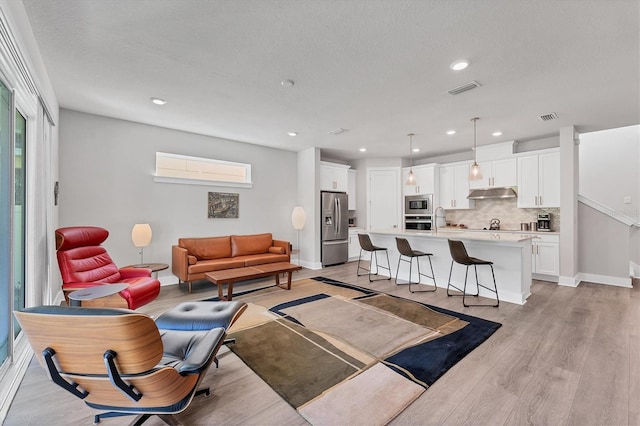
(416, 149)
(363, 149)
(451, 132)
(459, 65)
(498, 133)
(287, 83)
(158, 101)
(292, 133)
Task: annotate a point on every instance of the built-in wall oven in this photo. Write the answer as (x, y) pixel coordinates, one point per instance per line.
(418, 204)
(418, 223)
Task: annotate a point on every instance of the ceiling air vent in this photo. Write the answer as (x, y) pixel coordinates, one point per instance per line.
(548, 117)
(338, 131)
(464, 88)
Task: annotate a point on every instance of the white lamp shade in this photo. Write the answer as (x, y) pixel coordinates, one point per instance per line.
(298, 218)
(141, 234)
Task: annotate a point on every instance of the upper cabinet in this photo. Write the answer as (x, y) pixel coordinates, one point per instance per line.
(334, 177)
(454, 187)
(497, 173)
(425, 180)
(351, 188)
(539, 180)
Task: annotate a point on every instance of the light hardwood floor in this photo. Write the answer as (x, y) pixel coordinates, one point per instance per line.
(569, 356)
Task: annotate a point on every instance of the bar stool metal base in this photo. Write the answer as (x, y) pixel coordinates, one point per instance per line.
(378, 266)
(420, 274)
(478, 285)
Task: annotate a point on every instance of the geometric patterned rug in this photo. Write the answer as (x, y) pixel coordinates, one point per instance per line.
(343, 354)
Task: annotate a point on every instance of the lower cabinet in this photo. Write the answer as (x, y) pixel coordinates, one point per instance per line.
(546, 255)
(354, 244)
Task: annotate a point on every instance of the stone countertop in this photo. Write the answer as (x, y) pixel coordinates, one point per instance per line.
(517, 231)
(507, 237)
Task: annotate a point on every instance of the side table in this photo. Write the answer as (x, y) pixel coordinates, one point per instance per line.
(96, 292)
(155, 267)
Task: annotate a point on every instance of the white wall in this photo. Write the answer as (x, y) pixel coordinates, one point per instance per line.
(609, 172)
(610, 168)
(106, 179)
(604, 252)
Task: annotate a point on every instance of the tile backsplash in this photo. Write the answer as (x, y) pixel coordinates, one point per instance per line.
(504, 209)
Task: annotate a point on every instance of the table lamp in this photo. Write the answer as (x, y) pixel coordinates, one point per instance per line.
(141, 237)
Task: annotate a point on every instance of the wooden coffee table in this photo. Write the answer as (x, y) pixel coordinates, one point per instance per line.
(229, 276)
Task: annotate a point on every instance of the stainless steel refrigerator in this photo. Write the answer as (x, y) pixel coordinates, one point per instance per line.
(335, 228)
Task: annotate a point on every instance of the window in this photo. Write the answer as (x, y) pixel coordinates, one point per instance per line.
(174, 168)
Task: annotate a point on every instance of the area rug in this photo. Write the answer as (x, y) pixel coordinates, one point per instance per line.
(343, 354)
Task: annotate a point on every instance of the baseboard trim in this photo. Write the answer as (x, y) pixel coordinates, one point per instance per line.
(568, 281)
(605, 279)
(311, 265)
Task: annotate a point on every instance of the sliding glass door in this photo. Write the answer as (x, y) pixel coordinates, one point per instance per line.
(19, 215)
(12, 219)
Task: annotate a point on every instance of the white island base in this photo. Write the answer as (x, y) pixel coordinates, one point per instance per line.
(510, 254)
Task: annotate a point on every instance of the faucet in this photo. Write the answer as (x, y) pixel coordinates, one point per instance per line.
(435, 218)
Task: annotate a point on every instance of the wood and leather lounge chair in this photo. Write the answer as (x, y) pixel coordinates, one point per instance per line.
(120, 362)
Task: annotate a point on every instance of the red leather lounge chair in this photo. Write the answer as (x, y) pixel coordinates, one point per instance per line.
(85, 263)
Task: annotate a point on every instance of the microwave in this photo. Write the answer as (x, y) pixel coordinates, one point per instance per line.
(418, 204)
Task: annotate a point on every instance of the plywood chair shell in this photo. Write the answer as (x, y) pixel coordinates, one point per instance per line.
(159, 389)
(134, 337)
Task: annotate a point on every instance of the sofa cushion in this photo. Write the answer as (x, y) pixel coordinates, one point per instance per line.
(207, 248)
(215, 265)
(261, 259)
(276, 250)
(242, 245)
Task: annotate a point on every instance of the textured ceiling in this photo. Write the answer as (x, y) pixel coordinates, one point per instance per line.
(379, 68)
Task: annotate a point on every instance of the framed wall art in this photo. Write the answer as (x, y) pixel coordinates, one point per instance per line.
(222, 205)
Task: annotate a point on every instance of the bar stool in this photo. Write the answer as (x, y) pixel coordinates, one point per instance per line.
(366, 245)
(459, 255)
(407, 252)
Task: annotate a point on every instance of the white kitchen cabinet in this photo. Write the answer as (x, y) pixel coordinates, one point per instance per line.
(334, 177)
(354, 243)
(425, 180)
(539, 180)
(497, 173)
(546, 255)
(454, 187)
(351, 188)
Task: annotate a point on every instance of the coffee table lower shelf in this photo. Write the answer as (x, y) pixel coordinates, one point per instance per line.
(229, 276)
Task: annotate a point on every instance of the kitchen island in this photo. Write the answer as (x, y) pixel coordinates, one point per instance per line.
(510, 254)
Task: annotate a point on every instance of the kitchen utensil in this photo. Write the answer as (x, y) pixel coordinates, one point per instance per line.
(494, 225)
(524, 226)
(533, 226)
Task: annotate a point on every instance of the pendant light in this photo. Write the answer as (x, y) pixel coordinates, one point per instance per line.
(411, 180)
(474, 172)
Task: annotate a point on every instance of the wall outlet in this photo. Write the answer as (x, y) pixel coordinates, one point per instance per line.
(627, 200)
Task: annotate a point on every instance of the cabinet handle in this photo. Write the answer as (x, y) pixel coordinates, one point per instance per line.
(536, 202)
(540, 197)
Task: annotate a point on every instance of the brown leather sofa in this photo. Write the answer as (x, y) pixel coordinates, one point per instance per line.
(192, 258)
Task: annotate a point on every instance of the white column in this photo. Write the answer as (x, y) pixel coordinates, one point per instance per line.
(569, 177)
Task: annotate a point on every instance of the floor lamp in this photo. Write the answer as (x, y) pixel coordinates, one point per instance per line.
(298, 219)
(141, 237)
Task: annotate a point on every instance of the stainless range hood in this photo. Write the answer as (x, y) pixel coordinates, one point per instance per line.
(481, 194)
